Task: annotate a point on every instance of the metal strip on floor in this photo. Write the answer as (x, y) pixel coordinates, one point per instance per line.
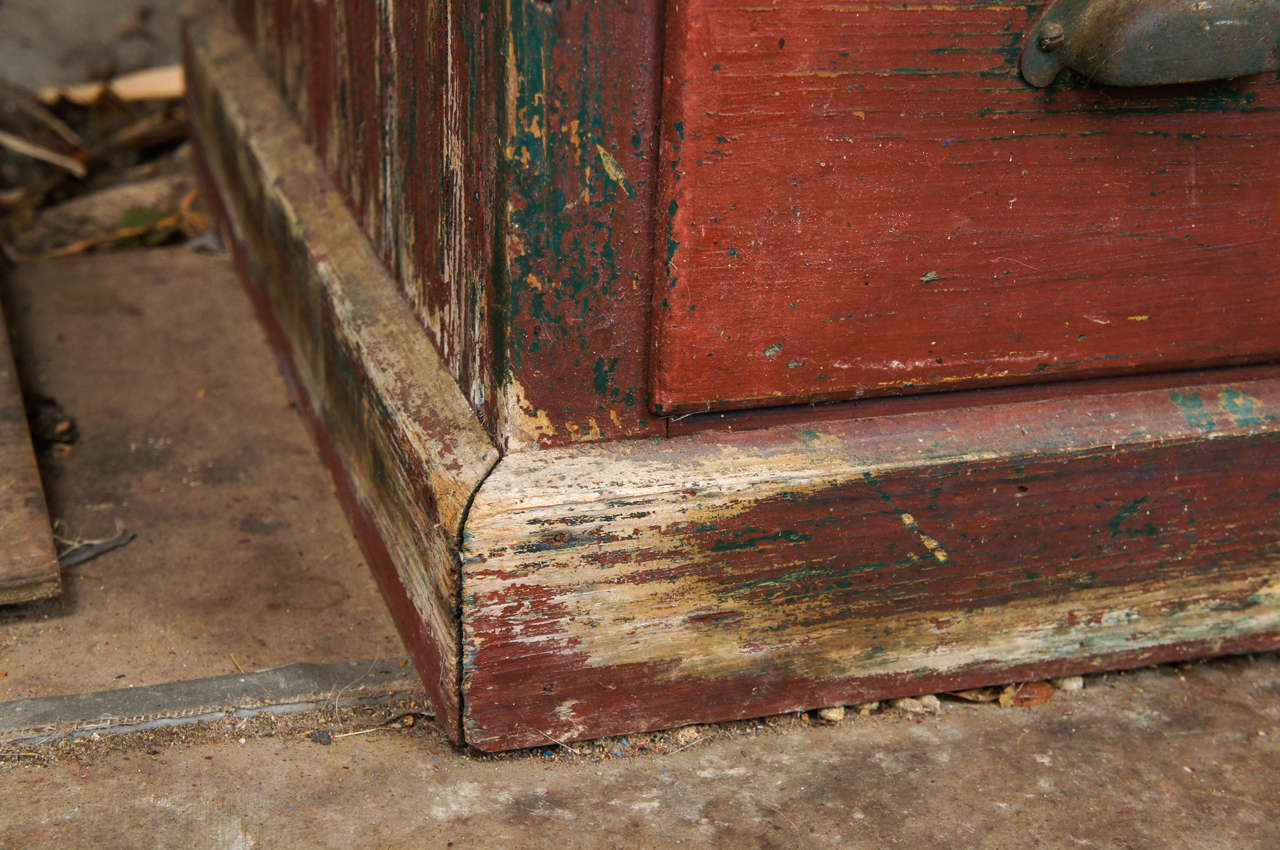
(280, 690)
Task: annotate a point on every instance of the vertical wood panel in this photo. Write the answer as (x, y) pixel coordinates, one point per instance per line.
(400, 100)
(581, 123)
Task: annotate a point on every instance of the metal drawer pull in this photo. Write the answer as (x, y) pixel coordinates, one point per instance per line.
(1153, 42)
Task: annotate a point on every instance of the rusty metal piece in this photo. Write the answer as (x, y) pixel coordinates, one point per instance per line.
(1153, 42)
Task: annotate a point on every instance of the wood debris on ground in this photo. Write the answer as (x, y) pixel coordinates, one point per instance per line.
(104, 165)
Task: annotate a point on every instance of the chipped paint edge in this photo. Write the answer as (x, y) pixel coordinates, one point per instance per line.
(532, 589)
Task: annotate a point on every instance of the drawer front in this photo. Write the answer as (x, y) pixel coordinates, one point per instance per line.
(867, 199)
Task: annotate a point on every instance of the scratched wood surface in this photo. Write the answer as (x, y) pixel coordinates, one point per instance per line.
(582, 130)
(28, 562)
(866, 199)
(501, 157)
(400, 101)
(405, 446)
(654, 583)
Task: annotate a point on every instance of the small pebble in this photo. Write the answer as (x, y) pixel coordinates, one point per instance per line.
(1069, 683)
(831, 714)
(931, 704)
(908, 704)
(867, 707)
(322, 736)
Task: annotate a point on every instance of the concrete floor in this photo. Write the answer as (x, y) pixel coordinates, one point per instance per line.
(189, 440)
(58, 42)
(1160, 758)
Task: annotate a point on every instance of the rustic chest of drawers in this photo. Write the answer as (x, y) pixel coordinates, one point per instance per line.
(692, 360)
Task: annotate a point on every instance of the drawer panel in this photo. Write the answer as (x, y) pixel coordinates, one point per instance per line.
(866, 199)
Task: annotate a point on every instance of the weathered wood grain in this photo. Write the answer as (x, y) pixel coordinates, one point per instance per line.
(406, 448)
(400, 100)
(575, 276)
(501, 156)
(654, 583)
(866, 199)
(776, 562)
(28, 562)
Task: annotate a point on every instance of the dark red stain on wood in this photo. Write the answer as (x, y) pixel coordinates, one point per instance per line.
(383, 91)
(580, 159)
(868, 200)
(869, 408)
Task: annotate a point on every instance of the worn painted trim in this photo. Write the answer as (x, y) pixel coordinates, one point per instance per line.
(406, 447)
(611, 587)
(654, 583)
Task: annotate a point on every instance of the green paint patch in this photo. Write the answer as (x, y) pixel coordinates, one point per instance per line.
(773, 351)
(603, 375)
(1126, 513)
(672, 243)
(753, 537)
(1193, 410)
(875, 485)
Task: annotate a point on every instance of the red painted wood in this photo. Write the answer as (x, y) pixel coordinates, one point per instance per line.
(467, 137)
(1080, 392)
(577, 265)
(1073, 536)
(866, 200)
(537, 274)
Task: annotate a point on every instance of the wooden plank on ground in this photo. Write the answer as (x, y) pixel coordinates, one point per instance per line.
(28, 562)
